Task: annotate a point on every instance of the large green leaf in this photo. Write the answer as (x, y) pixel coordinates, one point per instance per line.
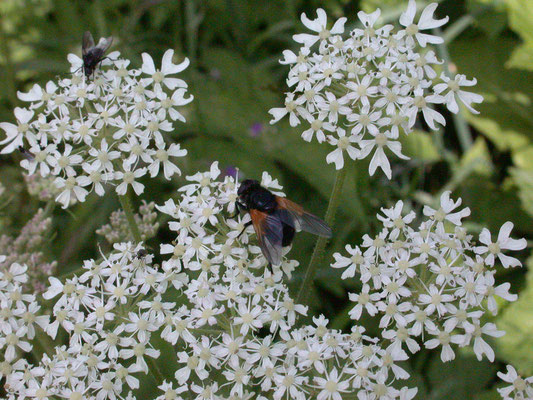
(477, 158)
(522, 57)
(523, 179)
(507, 91)
(492, 205)
(521, 21)
(516, 346)
(458, 379)
(419, 146)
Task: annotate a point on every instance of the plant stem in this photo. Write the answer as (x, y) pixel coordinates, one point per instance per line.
(49, 208)
(193, 18)
(208, 331)
(45, 342)
(318, 253)
(9, 73)
(154, 369)
(463, 131)
(125, 202)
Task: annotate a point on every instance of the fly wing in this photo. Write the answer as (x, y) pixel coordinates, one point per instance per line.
(104, 44)
(294, 215)
(269, 231)
(87, 43)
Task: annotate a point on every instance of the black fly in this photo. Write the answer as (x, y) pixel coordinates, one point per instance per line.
(276, 219)
(141, 254)
(28, 155)
(92, 55)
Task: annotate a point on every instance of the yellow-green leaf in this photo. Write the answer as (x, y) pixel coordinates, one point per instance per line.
(516, 346)
(477, 158)
(504, 139)
(418, 145)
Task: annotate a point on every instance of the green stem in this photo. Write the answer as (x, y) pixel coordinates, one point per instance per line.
(49, 208)
(318, 253)
(9, 73)
(463, 130)
(458, 27)
(125, 202)
(155, 370)
(192, 22)
(43, 341)
(461, 24)
(208, 331)
(424, 273)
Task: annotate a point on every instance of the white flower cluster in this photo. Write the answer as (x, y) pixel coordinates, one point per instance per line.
(237, 335)
(233, 328)
(18, 318)
(520, 389)
(432, 283)
(108, 130)
(203, 213)
(358, 93)
(109, 313)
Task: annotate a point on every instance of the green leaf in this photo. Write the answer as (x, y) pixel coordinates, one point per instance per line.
(488, 395)
(507, 91)
(502, 139)
(522, 57)
(477, 158)
(521, 21)
(458, 379)
(523, 157)
(483, 196)
(418, 145)
(521, 18)
(523, 179)
(516, 346)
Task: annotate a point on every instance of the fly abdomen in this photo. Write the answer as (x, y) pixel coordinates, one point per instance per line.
(288, 235)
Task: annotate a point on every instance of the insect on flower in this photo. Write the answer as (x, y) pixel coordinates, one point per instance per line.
(276, 219)
(141, 254)
(93, 55)
(28, 155)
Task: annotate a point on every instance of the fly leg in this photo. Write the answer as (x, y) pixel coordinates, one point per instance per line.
(246, 225)
(99, 65)
(238, 207)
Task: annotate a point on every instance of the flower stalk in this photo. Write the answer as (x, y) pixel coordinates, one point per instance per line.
(463, 131)
(318, 252)
(125, 202)
(156, 371)
(9, 69)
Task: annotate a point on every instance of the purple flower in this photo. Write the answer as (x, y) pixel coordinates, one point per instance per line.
(256, 129)
(230, 170)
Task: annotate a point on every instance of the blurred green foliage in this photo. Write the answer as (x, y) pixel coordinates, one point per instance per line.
(517, 344)
(234, 47)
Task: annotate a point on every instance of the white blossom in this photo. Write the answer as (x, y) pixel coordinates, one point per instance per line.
(434, 285)
(79, 130)
(363, 90)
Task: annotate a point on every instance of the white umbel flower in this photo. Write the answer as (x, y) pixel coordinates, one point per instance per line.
(79, 130)
(372, 83)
